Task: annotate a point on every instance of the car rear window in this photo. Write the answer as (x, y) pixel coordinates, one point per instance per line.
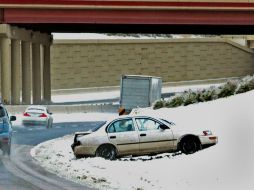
(37, 109)
(98, 126)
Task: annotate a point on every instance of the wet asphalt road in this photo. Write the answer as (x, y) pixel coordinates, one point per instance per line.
(33, 135)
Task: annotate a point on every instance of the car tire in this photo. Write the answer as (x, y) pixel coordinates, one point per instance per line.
(48, 124)
(7, 150)
(106, 151)
(189, 146)
(51, 124)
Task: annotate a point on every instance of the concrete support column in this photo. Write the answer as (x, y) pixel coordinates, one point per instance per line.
(26, 72)
(5, 45)
(15, 71)
(46, 75)
(36, 73)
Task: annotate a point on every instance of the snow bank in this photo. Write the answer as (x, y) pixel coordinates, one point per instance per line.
(97, 36)
(228, 165)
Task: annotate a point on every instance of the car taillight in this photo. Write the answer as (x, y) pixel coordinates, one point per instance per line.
(26, 114)
(207, 132)
(43, 115)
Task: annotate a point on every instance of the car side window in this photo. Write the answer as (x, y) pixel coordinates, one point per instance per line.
(146, 124)
(123, 125)
(2, 111)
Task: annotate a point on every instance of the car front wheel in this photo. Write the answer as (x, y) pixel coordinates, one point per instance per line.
(106, 151)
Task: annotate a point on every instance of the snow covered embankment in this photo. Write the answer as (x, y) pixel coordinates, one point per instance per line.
(228, 165)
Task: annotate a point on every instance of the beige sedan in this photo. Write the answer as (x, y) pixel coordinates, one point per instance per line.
(138, 135)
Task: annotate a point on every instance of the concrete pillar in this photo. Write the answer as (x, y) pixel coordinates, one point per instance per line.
(26, 72)
(46, 75)
(15, 71)
(36, 73)
(5, 45)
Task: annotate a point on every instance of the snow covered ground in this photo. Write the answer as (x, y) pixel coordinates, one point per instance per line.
(227, 165)
(103, 36)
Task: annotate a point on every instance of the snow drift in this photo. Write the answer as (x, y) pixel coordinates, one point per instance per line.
(227, 165)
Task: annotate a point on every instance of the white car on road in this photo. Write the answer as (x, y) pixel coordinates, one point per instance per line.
(139, 135)
(37, 115)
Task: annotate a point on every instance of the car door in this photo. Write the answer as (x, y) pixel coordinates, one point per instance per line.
(153, 139)
(123, 134)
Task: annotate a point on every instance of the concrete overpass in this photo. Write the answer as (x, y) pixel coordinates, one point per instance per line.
(169, 16)
(26, 26)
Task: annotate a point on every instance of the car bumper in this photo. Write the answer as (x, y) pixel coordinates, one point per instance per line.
(4, 140)
(208, 140)
(35, 120)
(84, 150)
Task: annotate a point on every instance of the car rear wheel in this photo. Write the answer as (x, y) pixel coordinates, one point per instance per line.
(106, 151)
(189, 146)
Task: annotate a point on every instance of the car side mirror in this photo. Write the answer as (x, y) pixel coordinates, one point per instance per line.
(164, 127)
(13, 118)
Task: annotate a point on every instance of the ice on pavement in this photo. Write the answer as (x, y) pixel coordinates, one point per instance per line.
(227, 165)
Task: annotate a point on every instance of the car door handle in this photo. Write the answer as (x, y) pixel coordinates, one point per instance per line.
(142, 135)
(112, 137)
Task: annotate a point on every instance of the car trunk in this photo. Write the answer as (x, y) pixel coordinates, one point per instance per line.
(35, 113)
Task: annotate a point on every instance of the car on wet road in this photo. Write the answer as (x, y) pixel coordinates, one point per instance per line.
(37, 115)
(5, 130)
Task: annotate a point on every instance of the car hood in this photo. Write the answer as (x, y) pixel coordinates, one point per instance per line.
(179, 130)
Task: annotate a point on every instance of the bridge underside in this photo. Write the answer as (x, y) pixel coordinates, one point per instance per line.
(134, 21)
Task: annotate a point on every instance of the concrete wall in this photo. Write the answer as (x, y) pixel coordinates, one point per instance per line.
(96, 63)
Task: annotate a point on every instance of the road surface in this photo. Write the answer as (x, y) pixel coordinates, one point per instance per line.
(20, 171)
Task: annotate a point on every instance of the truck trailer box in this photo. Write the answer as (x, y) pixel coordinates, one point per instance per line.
(139, 91)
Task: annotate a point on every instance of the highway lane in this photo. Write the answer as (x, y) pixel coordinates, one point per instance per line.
(12, 182)
(20, 172)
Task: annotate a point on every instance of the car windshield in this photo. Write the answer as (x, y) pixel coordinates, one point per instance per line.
(98, 126)
(168, 122)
